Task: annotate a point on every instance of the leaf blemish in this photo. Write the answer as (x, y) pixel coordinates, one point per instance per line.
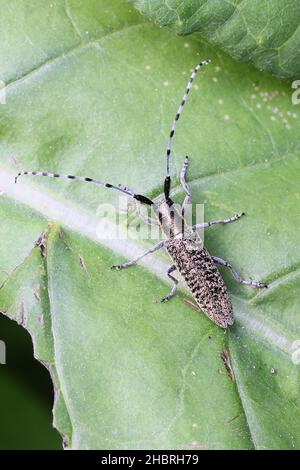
(227, 363)
(41, 243)
(36, 288)
(197, 445)
(41, 320)
(191, 304)
(22, 316)
(233, 419)
(82, 264)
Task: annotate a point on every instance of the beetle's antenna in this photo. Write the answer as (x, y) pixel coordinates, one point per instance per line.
(139, 197)
(189, 85)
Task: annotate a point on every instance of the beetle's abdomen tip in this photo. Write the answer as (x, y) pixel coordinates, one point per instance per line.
(224, 323)
(229, 322)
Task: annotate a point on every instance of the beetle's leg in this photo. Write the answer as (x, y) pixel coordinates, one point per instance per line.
(236, 276)
(175, 281)
(144, 218)
(184, 184)
(215, 222)
(134, 261)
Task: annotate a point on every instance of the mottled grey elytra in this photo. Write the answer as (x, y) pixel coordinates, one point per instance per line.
(182, 242)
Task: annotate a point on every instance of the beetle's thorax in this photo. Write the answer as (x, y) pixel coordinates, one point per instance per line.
(170, 218)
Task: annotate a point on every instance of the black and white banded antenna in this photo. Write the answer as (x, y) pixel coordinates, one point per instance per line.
(177, 116)
(123, 189)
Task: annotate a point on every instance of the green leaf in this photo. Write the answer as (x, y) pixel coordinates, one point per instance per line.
(264, 33)
(130, 372)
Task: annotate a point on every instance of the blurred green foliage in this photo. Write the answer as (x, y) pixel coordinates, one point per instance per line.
(26, 394)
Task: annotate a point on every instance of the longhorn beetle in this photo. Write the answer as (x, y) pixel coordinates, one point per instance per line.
(183, 243)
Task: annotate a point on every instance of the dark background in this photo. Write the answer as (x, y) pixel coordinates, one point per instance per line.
(26, 394)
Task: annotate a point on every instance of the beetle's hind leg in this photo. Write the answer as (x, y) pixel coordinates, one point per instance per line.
(175, 282)
(187, 199)
(156, 247)
(236, 276)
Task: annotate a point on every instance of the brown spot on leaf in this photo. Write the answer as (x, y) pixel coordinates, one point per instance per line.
(191, 304)
(41, 243)
(41, 320)
(224, 355)
(233, 419)
(61, 235)
(36, 288)
(82, 264)
(22, 314)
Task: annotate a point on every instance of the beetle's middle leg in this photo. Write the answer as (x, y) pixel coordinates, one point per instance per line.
(215, 222)
(175, 281)
(236, 276)
(156, 247)
(184, 184)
